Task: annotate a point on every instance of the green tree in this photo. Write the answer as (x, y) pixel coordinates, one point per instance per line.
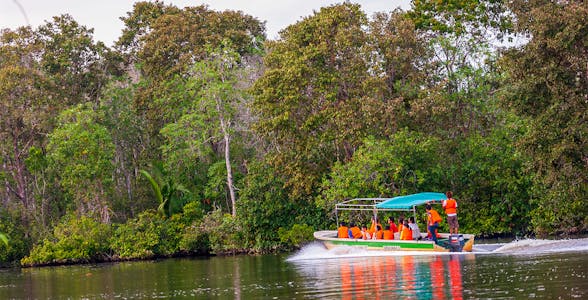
(72, 59)
(167, 41)
(546, 84)
(314, 100)
(26, 108)
(80, 151)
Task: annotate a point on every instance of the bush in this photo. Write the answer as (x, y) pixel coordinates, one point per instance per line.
(74, 240)
(224, 232)
(17, 244)
(297, 236)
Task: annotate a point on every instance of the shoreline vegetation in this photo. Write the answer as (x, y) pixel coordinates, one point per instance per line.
(196, 135)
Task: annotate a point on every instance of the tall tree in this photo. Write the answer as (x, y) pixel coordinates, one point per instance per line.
(218, 85)
(26, 108)
(547, 84)
(314, 100)
(81, 151)
(73, 60)
(165, 41)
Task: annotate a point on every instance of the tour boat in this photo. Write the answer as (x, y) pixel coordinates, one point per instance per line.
(445, 242)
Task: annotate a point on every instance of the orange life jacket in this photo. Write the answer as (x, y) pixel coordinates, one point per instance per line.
(373, 227)
(356, 232)
(388, 235)
(343, 232)
(406, 233)
(379, 235)
(434, 217)
(450, 206)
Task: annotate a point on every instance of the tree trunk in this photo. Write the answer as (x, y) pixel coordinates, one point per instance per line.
(227, 140)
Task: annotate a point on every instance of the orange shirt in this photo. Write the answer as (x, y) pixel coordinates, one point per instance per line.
(388, 235)
(343, 232)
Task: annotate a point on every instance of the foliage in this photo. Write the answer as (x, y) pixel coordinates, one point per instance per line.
(224, 231)
(297, 236)
(264, 207)
(405, 164)
(80, 151)
(14, 245)
(193, 239)
(170, 195)
(74, 240)
(547, 83)
(489, 181)
(312, 96)
(147, 236)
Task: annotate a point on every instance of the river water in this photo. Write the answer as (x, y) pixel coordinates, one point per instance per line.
(517, 270)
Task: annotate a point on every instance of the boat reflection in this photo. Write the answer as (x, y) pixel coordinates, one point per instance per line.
(384, 277)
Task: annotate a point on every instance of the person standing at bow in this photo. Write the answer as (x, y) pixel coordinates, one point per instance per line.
(450, 206)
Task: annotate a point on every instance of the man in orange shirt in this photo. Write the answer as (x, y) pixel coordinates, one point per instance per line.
(450, 206)
(343, 231)
(433, 220)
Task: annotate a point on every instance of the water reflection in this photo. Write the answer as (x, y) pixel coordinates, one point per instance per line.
(385, 277)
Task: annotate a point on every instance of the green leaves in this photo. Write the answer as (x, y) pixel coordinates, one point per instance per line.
(546, 84)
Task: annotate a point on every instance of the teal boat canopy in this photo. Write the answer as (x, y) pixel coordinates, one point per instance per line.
(408, 202)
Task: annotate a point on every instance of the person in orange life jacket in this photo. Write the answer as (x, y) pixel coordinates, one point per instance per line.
(400, 224)
(433, 220)
(450, 206)
(393, 227)
(343, 231)
(375, 222)
(406, 233)
(378, 234)
(416, 232)
(388, 233)
(365, 233)
(354, 231)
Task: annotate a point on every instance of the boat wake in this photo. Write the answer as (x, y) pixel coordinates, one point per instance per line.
(316, 250)
(532, 246)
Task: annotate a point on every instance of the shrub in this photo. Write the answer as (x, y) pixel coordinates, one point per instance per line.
(17, 245)
(137, 238)
(297, 236)
(74, 240)
(224, 232)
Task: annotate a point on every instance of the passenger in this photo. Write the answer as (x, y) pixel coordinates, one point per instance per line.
(433, 220)
(450, 206)
(343, 231)
(354, 231)
(393, 227)
(406, 233)
(365, 233)
(400, 224)
(379, 234)
(416, 232)
(375, 222)
(388, 234)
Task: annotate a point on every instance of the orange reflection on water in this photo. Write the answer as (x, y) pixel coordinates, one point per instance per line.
(409, 277)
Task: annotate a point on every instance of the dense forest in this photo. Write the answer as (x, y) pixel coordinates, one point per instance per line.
(194, 134)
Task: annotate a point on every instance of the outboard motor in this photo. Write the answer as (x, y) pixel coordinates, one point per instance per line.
(456, 242)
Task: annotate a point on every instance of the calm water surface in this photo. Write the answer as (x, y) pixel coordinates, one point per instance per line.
(520, 270)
